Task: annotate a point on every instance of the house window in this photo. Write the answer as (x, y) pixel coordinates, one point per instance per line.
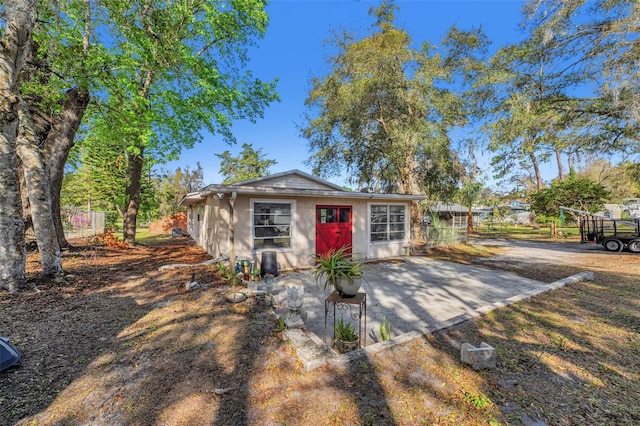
(387, 222)
(334, 215)
(272, 225)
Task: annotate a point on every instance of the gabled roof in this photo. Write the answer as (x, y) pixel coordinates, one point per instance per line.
(294, 183)
(280, 179)
(442, 206)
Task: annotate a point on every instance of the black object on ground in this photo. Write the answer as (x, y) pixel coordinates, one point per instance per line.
(9, 355)
(269, 264)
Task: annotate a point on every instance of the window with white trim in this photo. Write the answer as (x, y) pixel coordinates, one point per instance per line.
(388, 222)
(272, 224)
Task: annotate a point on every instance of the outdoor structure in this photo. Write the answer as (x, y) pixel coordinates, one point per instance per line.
(296, 215)
(452, 214)
(514, 213)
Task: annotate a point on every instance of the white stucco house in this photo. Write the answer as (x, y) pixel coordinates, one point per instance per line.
(296, 215)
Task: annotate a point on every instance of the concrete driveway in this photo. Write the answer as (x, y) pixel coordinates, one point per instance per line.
(419, 294)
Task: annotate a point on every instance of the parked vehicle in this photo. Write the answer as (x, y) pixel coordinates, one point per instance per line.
(613, 234)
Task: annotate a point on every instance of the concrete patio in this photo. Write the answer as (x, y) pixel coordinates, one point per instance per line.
(417, 295)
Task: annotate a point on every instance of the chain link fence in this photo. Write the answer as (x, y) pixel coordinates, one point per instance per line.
(80, 223)
(442, 236)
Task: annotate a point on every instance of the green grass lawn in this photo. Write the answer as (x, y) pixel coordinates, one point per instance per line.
(144, 237)
(570, 233)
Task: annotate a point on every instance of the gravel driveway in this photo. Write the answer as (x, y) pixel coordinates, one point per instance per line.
(537, 252)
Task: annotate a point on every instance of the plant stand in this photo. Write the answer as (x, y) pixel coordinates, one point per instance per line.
(357, 310)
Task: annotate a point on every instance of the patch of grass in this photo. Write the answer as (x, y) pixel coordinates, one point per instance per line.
(144, 237)
(462, 253)
(571, 343)
(541, 233)
(479, 401)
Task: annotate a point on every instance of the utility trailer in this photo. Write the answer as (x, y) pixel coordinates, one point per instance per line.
(613, 234)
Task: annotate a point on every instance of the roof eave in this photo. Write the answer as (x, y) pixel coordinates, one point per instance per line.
(218, 189)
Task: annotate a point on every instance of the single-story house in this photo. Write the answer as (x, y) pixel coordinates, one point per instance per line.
(452, 214)
(296, 215)
(515, 212)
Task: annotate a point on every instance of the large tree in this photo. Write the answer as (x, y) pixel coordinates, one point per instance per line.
(523, 127)
(618, 180)
(170, 187)
(64, 67)
(19, 18)
(250, 164)
(598, 42)
(384, 112)
(37, 193)
(178, 67)
(574, 192)
(570, 86)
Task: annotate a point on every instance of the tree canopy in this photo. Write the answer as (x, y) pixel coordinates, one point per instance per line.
(159, 72)
(570, 87)
(250, 164)
(384, 112)
(176, 68)
(574, 192)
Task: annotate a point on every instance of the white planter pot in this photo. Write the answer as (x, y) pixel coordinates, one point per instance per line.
(348, 288)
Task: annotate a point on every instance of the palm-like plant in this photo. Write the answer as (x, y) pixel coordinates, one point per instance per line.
(345, 331)
(336, 264)
(469, 194)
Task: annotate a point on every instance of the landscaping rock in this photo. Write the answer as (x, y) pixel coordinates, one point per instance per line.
(193, 285)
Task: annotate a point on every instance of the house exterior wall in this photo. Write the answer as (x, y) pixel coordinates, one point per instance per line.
(212, 231)
(193, 224)
(214, 234)
(208, 225)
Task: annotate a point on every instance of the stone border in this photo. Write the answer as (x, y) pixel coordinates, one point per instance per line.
(314, 353)
(186, 265)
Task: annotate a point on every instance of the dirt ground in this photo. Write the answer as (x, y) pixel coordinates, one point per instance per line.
(123, 343)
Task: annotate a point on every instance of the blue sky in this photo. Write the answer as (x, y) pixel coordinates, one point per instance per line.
(293, 50)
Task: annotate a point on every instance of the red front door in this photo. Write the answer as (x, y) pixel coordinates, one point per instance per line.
(333, 228)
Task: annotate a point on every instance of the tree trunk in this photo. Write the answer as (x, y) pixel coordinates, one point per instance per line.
(134, 185)
(19, 16)
(536, 170)
(12, 246)
(38, 194)
(29, 235)
(470, 228)
(570, 156)
(57, 145)
(559, 161)
(407, 184)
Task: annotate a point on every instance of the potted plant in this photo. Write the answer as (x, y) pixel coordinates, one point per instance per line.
(345, 337)
(337, 269)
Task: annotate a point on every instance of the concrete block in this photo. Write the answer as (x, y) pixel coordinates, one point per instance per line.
(483, 356)
(309, 352)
